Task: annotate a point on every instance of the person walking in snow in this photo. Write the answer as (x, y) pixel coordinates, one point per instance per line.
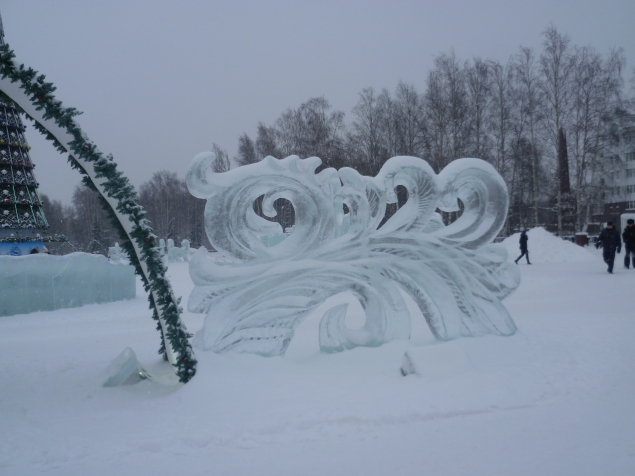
(610, 240)
(629, 243)
(523, 246)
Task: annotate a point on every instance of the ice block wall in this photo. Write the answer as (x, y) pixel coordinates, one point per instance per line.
(43, 282)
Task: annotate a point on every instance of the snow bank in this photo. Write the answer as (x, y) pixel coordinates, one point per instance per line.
(545, 247)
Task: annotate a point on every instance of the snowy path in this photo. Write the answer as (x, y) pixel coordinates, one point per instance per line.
(557, 398)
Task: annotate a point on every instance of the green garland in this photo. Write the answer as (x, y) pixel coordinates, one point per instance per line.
(145, 255)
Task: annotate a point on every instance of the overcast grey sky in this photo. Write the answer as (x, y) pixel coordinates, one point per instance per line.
(159, 81)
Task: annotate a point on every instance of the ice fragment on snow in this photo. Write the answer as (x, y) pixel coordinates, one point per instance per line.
(125, 370)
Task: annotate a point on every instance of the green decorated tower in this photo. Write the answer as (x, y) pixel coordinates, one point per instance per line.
(21, 215)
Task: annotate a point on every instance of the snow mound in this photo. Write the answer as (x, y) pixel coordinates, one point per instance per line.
(545, 247)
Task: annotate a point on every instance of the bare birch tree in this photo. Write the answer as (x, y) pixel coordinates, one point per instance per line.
(478, 80)
(596, 86)
(529, 94)
(556, 66)
(446, 112)
(366, 140)
(246, 151)
(266, 142)
(408, 120)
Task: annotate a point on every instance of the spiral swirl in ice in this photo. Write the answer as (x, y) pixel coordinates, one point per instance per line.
(256, 299)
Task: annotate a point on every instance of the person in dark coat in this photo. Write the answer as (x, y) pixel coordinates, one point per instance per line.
(629, 243)
(523, 246)
(610, 240)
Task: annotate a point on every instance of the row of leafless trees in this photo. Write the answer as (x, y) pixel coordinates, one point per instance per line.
(510, 114)
(516, 115)
(172, 211)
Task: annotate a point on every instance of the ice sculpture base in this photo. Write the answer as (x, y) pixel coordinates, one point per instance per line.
(41, 282)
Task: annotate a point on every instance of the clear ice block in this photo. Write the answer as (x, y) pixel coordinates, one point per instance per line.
(42, 282)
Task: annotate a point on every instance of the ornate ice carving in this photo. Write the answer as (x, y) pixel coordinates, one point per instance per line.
(258, 294)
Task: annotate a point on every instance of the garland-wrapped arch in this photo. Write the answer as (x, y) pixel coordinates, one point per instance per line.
(34, 97)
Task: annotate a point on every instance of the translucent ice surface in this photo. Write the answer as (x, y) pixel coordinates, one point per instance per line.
(185, 250)
(173, 251)
(178, 254)
(41, 282)
(116, 254)
(256, 300)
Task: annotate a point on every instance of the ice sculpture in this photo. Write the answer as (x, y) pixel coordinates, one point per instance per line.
(177, 254)
(42, 282)
(273, 240)
(185, 250)
(173, 251)
(162, 252)
(255, 300)
(115, 254)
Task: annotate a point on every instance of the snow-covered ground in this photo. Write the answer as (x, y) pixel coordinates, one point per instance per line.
(557, 398)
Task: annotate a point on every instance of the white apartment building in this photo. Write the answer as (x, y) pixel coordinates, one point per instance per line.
(620, 181)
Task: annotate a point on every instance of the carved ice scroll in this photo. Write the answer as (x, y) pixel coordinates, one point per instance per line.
(259, 294)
